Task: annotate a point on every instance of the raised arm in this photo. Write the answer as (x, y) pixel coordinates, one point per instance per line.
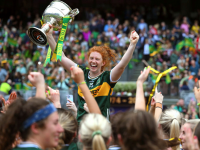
(119, 68)
(197, 94)
(78, 76)
(65, 62)
(37, 80)
(159, 100)
(140, 100)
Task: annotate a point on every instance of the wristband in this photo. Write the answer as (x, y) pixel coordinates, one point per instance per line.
(81, 83)
(198, 104)
(159, 105)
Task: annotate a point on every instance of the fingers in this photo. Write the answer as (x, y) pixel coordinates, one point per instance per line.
(4, 101)
(156, 90)
(50, 89)
(69, 101)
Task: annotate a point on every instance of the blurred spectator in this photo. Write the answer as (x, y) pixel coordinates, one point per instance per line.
(194, 68)
(180, 105)
(3, 74)
(142, 26)
(195, 27)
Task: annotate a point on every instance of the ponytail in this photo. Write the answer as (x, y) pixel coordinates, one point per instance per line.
(175, 131)
(171, 121)
(94, 131)
(98, 143)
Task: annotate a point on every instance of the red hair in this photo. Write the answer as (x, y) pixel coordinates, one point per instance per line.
(107, 54)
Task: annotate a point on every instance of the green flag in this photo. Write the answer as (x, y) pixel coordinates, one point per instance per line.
(180, 45)
(12, 42)
(36, 56)
(189, 42)
(168, 79)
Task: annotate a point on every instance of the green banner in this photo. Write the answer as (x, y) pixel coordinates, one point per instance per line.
(48, 57)
(58, 50)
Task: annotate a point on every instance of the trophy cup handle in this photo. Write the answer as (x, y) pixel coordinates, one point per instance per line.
(74, 12)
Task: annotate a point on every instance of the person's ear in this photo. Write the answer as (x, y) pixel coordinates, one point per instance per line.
(103, 63)
(34, 128)
(109, 140)
(79, 138)
(120, 139)
(75, 134)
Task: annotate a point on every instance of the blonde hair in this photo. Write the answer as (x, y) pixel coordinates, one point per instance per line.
(193, 123)
(70, 125)
(94, 131)
(171, 123)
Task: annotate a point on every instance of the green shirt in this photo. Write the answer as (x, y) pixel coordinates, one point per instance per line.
(101, 88)
(26, 148)
(72, 146)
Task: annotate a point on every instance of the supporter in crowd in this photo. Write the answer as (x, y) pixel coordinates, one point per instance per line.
(169, 125)
(95, 132)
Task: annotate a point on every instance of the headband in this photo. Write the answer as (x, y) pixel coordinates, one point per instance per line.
(39, 115)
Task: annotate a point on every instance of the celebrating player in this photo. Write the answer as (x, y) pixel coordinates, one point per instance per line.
(99, 81)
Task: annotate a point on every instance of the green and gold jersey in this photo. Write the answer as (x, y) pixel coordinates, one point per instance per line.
(101, 88)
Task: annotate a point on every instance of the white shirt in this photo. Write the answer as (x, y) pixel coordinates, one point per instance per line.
(146, 49)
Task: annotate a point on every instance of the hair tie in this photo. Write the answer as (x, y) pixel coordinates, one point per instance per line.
(98, 132)
(174, 118)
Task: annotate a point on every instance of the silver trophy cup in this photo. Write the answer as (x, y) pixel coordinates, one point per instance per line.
(52, 15)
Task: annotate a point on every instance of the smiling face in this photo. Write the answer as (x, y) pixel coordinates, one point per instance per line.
(50, 135)
(183, 135)
(95, 62)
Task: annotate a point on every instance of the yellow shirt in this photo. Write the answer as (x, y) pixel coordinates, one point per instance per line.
(195, 29)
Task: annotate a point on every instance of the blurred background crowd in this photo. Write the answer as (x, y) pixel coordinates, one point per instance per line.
(166, 39)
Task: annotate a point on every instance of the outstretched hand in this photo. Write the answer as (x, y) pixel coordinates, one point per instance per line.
(134, 37)
(86, 108)
(158, 96)
(54, 97)
(11, 99)
(36, 79)
(71, 105)
(197, 92)
(144, 74)
(49, 33)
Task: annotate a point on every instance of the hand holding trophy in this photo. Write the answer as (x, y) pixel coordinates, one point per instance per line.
(58, 14)
(53, 14)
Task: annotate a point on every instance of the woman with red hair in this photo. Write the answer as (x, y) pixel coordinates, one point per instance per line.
(99, 81)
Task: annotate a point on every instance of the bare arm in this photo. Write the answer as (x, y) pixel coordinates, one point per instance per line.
(197, 94)
(140, 100)
(65, 62)
(91, 102)
(119, 68)
(37, 80)
(159, 100)
(153, 106)
(78, 76)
